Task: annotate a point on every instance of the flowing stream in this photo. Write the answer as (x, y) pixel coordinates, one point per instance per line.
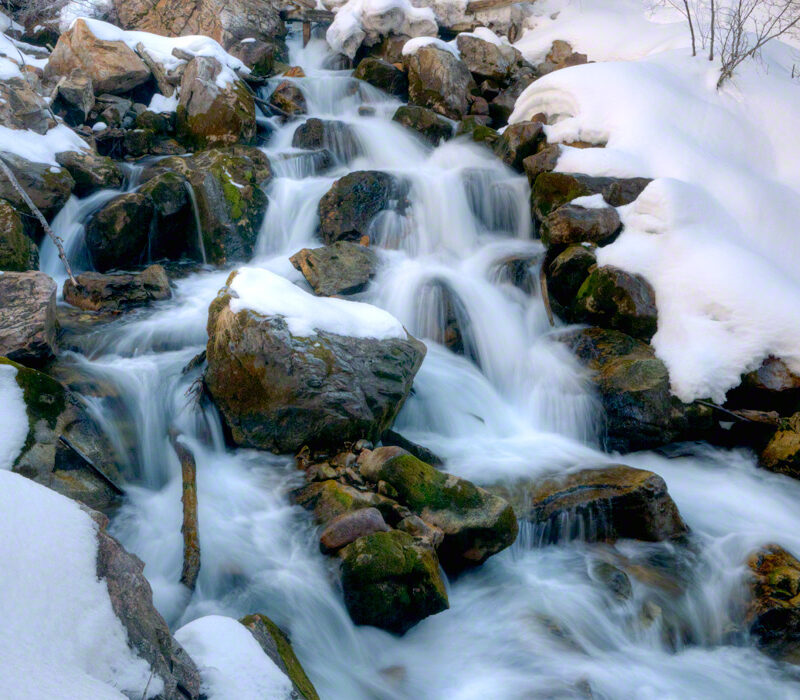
(533, 622)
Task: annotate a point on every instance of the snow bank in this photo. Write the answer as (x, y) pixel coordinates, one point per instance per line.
(59, 636)
(40, 148)
(269, 294)
(13, 417)
(13, 53)
(413, 45)
(717, 234)
(232, 665)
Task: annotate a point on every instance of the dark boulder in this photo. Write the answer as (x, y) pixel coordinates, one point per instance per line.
(18, 253)
(117, 291)
(519, 141)
(337, 137)
(261, 57)
(487, 60)
(348, 527)
(90, 171)
(74, 98)
(428, 124)
(340, 268)
(288, 101)
(567, 273)
(48, 187)
(27, 317)
(550, 190)
(572, 223)
(116, 236)
(542, 162)
(384, 76)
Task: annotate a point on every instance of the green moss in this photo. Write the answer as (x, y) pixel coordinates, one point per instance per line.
(551, 190)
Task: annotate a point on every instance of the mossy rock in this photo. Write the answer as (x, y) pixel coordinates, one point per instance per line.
(477, 131)
(566, 273)
(117, 234)
(277, 646)
(551, 190)
(431, 126)
(18, 253)
(390, 581)
(90, 171)
(782, 453)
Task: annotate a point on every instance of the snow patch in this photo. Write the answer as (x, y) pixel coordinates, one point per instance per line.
(413, 45)
(40, 148)
(160, 104)
(13, 417)
(592, 201)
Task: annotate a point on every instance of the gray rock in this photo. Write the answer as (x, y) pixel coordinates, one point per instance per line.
(22, 108)
(439, 81)
(27, 317)
(90, 171)
(74, 98)
(575, 224)
(383, 75)
(432, 127)
(48, 187)
(121, 290)
(340, 268)
(335, 136)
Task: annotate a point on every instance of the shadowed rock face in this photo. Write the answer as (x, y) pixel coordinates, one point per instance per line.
(27, 317)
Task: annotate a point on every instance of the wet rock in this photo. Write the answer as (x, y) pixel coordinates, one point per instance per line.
(91, 172)
(613, 579)
(112, 65)
(18, 253)
(603, 505)
(48, 187)
(773, 386)
(348, 527)
(138, 142)
(279, 392)
(774, 611)
(633, 388)
(391, 582)
(27, 317)
(433, 128)
(567, 272)
(475, 523)
(54, 415)
(519, 141)
(551, 190)
(439, 81)
(116, 236)
(174, 232)
(348, 208)
(391, 438)
(782, 453)
(148, 633)
(117, 291)
(613, 298)
(485, 60)
(329, 499)
(277, 646)
(74, 98)
(502, 106)
(259, 56)
(209, 115)
(110, 109)
(561, 56)
(542, 162)
(478, 130)
(22, 108)
(384, 76)
(341, 268)
(335, 136)
(576, 224)
(288, 101)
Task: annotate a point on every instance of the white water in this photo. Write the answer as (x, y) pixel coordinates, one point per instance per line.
(531, 622)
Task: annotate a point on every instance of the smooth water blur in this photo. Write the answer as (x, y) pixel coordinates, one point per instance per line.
(533, 622)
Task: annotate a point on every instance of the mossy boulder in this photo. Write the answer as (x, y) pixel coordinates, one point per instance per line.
(337, 137)
(117, 234)
(551, 190)
(782, 453)
(519, 141)
(288, 100)
(277, 646)
(174, 232)
(90, 171)
(544, 161)
(28, 322)
(383, 75)
(61, 438)
(214, 110)
(478, 131)
(438, 80)
(612, 298)
(571, 224)
(18, 253)
(340, 268)
(330, 499)
(475, 523)
(567, 273)
(49, 187)
(390, 581)
(432, 127)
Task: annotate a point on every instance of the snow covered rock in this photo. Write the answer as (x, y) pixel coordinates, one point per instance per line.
(384, 76)
(431, 126)
(120, 290)
(18, 253)
(91, 172)
(27, 317)
(112, 65)
(48, 186)
(215, 109)
(340, 268)
(21, 107)
(288, 369)
(438, 80)
(116, 236)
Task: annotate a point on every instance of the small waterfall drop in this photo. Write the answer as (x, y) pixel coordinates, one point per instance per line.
(198, 226)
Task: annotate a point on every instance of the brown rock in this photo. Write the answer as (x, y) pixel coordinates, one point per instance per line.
(22, 108)
(782, 453)
(288, 100)
(18, 253)
(121, 290)
(27, 317)
(348, 527)
(341, 268)
(439, 81)
(575, 224)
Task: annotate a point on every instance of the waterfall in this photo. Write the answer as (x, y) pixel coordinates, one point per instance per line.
(198, 226)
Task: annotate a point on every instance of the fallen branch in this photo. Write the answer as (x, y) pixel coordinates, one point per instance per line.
(156, 69)
(25, 198)
(189, 528)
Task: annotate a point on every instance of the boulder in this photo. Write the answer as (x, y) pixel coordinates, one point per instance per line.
(112, 66)
(110, 109)
(432, 127)
(48, 187)
(439, 81)
(782, 453)
(22, 108)
(330, 499)
(91, 172)
(486, 60)
(64, 450)
(334, 136)
(612, 298)
(277, 646)
(210, 115)
(391, 582)
(384, 76)
(542, 162)
(603, 505)
(475, 523)
(478, 130)
(633, 388)
(148, 633)
(566, 273)
(174, 232)
(340, 268)
(572, 223)
(279, 391)
(772, 386)
(519, 141)
(348, 208)
(74, 97)
(502, 106)
(561, 56)
(259, 56)
(117, 291)
(117, 234)
(27, 317)
(774, 611)
(288, 101)
(550, 190)
(18, 253)
(348, 527)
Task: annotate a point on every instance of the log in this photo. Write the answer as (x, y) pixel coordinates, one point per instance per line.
(189, 528)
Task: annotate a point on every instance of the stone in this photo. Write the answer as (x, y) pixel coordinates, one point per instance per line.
(259, 56)
(612, 298)
(567, 272)
(334, 136)
(288, 101)
(340, 268)
(21, 107)
(209, 115)
(329, 499)
(174, 232)
(27, 317)
(279, 392)
(74, 97)
(485, 60)
(432, 127)
(603, 505)
(277, 646)
(138, 142)
(348, 527)
(439, 81)
(782, 453)
(519, 141)
(550, 190)
(502, 106)
(384, 76)
(118, 291)
(478, 130)
(561, 56)
(112, 66)
(772, 386)
(110, 109)
(48, 187)
(773, 614)
(475, 523)
(349, 207)
(117, 234)
(18, 253)
(391, 582)
(91, 172)
(391, 438)
(572, 223)
(84, 467)
(541, 162)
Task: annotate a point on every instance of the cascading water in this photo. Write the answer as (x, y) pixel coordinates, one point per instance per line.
(531, 622)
